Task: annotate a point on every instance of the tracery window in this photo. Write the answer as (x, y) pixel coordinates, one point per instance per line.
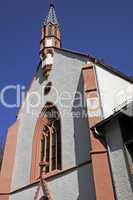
(50, 141)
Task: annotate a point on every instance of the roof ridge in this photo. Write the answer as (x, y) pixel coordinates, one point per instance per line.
(99, 62)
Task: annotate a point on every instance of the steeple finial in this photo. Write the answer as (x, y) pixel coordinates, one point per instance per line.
(52, 3)
(51, 18)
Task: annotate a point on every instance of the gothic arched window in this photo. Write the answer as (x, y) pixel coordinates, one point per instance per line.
(46, 155)
(50, 140)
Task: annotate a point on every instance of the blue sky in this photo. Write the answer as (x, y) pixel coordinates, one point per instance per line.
(103, 28)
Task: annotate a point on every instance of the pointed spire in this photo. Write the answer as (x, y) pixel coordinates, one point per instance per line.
(51, 18)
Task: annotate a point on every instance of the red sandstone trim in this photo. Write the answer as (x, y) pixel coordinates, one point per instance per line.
(8, 160)
(36, 153)
(4, 197)
(100, 165)
(35, 169)
(102, 177)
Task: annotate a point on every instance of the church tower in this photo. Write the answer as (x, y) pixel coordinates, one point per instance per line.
(50, 36)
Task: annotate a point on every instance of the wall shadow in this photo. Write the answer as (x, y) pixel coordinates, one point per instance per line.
(82, 144)
(39, 75)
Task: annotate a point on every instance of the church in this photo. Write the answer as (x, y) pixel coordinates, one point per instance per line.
(72, 138)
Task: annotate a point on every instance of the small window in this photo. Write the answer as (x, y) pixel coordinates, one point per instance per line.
(46, 71)
(47, 88)
(50, 30)
(56, 32)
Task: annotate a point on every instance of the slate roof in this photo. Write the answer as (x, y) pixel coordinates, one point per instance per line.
(51, 18)
(126, 110)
